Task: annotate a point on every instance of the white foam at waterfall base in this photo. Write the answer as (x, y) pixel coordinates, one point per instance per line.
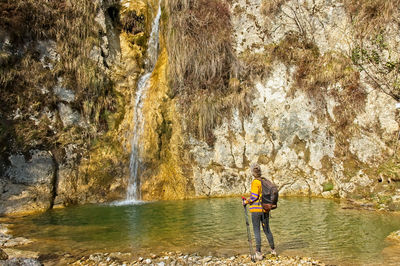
(127, 202)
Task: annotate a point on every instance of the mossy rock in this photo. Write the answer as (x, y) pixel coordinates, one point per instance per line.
(327, 186)
(385, 199)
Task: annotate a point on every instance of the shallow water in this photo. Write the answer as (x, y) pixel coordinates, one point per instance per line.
(317, 228)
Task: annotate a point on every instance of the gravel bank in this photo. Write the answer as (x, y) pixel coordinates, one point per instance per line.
(172, 258)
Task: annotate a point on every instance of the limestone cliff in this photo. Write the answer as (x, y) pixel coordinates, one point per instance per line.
(298, 99)
(321, 122)
(305, 88)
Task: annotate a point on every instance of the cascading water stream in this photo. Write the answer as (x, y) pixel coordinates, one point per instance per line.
(133, 192)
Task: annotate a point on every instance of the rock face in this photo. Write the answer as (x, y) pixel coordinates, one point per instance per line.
(317, 124)
(30, 183)
(56, 104)
(312, 133)
(294, 149)
(38, 170)
(294, 140)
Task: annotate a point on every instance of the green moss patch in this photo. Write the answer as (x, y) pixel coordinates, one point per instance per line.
(327, 186)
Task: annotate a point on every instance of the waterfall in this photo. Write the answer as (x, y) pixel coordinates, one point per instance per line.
(133, 192)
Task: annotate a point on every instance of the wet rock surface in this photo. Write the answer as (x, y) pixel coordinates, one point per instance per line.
(9, 252)
(7, 240)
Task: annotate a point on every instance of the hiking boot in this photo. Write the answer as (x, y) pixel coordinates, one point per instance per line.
(273, 252)
(259, 256)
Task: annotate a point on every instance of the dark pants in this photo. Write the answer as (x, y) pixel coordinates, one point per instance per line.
(258, 218)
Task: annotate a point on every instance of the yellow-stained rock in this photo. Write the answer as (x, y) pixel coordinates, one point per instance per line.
(162, 139)
(139, 6)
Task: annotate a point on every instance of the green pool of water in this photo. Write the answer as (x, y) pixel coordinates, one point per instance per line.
(307, 227)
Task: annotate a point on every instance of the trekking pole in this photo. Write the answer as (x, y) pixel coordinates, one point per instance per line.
(252, 255)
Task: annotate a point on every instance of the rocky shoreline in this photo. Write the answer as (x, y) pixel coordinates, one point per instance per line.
(177, 258)
(162, 259)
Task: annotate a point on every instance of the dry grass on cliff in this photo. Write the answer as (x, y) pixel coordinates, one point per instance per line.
(203, 69)
(331, 74)
(71, 25)
(319, 75)
(208, 110)
(200, 52)
(373, 53)
(370, 16)
(255, 65)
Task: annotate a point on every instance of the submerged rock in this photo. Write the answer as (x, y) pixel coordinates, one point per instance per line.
(18, 253)
(19, 241)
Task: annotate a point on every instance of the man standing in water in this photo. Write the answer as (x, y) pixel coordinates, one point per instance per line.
(258, 214)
